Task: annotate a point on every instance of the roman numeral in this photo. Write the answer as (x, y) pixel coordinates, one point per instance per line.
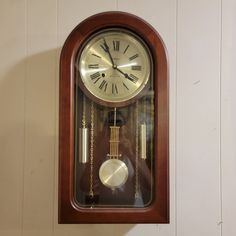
(133, 78)
(116, 45)
(103, 85)
(93, 66)
(96, 76)
(126, 49)
(114, 89)
(133, 57)
(125, 86)
(136, 67)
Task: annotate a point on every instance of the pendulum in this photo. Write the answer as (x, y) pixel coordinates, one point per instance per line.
(113, 173)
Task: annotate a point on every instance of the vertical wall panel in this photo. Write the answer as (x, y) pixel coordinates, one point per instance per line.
(228, 114)
(12, 74)
(72, 12)
(40, 118)
(162, 16)
(198, 118)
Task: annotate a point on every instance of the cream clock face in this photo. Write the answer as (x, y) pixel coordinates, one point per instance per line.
(114, 66)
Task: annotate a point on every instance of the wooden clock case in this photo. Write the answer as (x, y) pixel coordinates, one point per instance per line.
(158, 210)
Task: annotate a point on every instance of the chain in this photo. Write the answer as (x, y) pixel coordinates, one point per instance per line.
(145, 109)
(152, 119)
(83, 113)
(91, 193)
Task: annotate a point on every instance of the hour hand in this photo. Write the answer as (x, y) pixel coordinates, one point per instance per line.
(131, 78)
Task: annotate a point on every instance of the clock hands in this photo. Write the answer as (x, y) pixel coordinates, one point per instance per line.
(106, 48)
(125, 74)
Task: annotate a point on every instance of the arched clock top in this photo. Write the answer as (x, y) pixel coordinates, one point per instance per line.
(113, 122)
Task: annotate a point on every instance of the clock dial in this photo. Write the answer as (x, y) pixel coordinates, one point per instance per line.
(114, 66)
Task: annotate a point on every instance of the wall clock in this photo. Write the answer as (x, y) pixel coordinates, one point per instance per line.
(113, 141)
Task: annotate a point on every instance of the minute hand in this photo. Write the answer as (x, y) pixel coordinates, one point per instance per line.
(106, 49)
(125, 74)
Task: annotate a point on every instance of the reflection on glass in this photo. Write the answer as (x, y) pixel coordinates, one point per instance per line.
(118, 146)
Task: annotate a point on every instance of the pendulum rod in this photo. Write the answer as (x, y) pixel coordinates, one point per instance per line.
(114, 139)
(91, 193)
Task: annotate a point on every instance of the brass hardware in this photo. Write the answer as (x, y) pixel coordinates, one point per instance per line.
(143, 141)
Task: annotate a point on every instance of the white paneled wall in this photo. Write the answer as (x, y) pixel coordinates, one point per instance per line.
(198, 118)
(228, 117)
(12, 118)
(200, 38)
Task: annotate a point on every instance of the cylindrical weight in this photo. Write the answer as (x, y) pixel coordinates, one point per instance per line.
(83, 145)
(143, 141)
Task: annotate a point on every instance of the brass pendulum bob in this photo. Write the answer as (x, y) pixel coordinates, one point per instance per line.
(113, 173)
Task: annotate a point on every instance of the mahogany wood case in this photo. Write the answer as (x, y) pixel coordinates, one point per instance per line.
(158, 210)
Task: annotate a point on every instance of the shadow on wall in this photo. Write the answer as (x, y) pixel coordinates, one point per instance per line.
(29, 95)
(94, 229)
(11, 144)
(27, 141)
